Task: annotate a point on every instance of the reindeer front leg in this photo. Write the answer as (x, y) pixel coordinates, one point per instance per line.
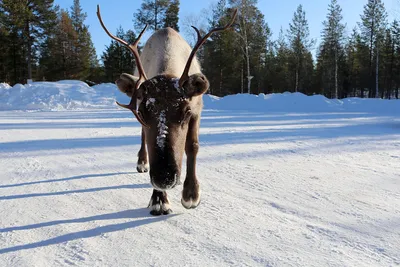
(142, 163)
(159, 203)
(191, 189)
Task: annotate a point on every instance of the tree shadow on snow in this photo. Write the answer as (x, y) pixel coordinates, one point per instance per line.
(128, 214)
(239, 127)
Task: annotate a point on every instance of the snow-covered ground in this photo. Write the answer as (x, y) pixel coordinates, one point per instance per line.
(287, 180)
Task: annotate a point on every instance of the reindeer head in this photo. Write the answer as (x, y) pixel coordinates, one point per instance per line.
(165, 106)
(165, 110)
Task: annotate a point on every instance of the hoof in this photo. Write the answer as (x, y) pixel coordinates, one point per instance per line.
(190, 200)
(142, 168)
(190, 204)
(160, 212)
(159, 204)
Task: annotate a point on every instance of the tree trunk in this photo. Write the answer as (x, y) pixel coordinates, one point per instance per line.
(15, 62)
(370, 59)
(246, 47)
(29, 50)
(220, 82)
(336, 74)
(389, 89)
(242, 81)
(377, 73)
(297, 80)
(248, 72)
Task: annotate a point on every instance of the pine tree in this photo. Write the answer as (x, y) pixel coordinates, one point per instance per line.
(68, 52)
(281, 70)
(299, 43)
(252, 33)
(117, 59)
(24, 24)
(172, 15)
(387, 52)
(395, 30)
(332, 41)
(58, 54)
(267, 72)
(357, 54)
(85, 54)
(213, 51)
(151, 12)
(373, 22)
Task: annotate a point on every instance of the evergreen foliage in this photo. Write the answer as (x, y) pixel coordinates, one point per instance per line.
(117, 58)
(39, 40)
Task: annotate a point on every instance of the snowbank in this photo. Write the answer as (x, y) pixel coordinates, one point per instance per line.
(58, 96)
(76, 95)
(295, 102)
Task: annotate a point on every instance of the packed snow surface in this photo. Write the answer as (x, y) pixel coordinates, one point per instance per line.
(286, 179)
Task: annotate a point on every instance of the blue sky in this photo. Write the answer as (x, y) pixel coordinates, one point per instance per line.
(277, 13)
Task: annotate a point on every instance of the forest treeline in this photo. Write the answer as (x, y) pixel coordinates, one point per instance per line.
(41, 41)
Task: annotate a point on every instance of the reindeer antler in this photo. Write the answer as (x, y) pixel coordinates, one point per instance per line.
(133, 105)
(133, 47)
(200, 42)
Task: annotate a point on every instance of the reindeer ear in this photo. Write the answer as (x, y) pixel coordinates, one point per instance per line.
(196, 85)
(126, 83)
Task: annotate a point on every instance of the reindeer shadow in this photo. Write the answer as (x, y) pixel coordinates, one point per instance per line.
(141, 217)
(78, 177)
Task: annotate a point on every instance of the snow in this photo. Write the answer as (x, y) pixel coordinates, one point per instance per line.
(286, 179)
(59, 96)
(162, 130)
(75, 95)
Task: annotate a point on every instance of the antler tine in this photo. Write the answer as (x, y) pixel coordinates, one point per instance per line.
(142, 75)
(200, 42)
(132, 106)
(198, 33)
(133, 47)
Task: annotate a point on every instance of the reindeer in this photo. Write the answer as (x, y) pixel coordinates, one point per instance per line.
(168, 105)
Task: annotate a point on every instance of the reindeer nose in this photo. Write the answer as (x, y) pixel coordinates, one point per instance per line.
(164, 180)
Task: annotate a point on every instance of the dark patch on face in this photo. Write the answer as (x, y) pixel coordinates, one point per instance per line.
(162, 94)
(167, 112)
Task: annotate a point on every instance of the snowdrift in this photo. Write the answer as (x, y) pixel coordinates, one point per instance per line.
(58, 96)
(69, 95)
(298, 102)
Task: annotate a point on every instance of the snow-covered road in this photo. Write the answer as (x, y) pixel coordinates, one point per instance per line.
(278, 189)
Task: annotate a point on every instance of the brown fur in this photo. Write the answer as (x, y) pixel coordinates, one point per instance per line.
(172, 114)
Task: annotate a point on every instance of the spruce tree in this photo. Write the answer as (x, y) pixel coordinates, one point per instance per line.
(68, 52)
(151, 12)
(373, 22)
(58, 53)
(332, 42)
(172, 15)
(395, 30)
(252, 36)
(357, 54)
(24, 25)
(117, 59)
(85, 54)
(300, 44)
(213, 51)
(281, 75)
